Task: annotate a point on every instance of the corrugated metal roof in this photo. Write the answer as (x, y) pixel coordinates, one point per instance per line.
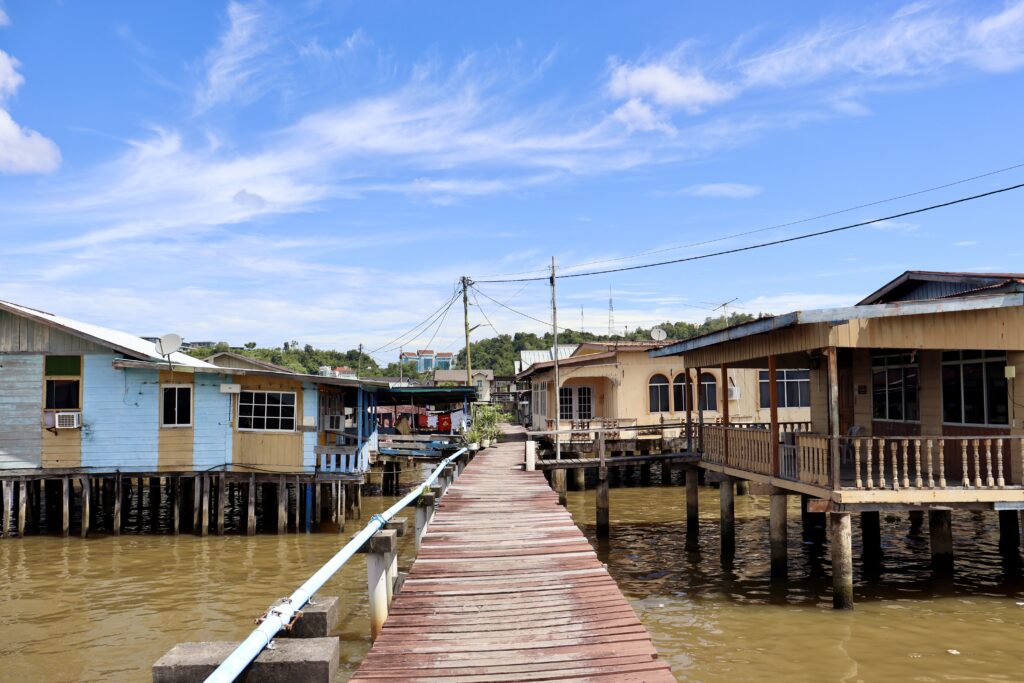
(126, 343)
(531, 356)
(460, 375)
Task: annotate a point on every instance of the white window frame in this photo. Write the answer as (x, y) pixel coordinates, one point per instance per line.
(984, 390)
(238, 411)
(191, 405)
(782, 379)
(573, 403)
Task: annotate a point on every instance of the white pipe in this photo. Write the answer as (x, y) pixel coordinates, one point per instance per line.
(283, 614)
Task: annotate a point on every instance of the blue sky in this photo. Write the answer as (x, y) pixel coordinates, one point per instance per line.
(325, 171)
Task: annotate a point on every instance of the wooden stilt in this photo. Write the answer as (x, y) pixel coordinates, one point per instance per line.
(222, 499)
(842, 561)
(603, 505)
(579, 479)
(250, 520)
(940, 533)
(778, 534)
(86, 505)
(22, 507)
(154, 503)
(8, 507)
(282, 506)
(558, 484)
(1009, 531)
(692, 503)
(65, 507)
(115, 520)
(871, 535)
(916, 522)
(728, 517)
(307, 517)
(176, 505)
(317, 503)
(197, 502)
(340, 506)
(666, 474)
(204, 506)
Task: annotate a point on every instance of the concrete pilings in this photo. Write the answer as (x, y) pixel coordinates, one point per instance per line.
(842, 560)
(940, 533)
(778, 536)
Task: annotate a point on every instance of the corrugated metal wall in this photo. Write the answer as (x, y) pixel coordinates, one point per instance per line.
(21, 406)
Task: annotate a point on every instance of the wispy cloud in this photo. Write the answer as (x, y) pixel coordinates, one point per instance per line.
(849, 57)
(721, 190)
(965, 243)
(4, 19)
(235, 68)
(22, 150)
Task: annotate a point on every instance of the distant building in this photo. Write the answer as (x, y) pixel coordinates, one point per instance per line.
(483, 379)
(230, 359)
(427, 360)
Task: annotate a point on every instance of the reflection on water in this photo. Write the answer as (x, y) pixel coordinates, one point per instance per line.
(106, 609)
(720, 624)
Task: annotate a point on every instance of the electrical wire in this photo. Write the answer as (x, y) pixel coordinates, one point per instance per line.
(425, 324)
(483, 313)
(768, 228)
(772, 243)
(525, 315)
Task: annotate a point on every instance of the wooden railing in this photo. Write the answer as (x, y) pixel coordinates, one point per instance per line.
(813, 464)
(340, 458)
(750, 449)
(930, 462)
(800, 427)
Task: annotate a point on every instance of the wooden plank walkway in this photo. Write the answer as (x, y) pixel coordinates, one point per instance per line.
(506, 588)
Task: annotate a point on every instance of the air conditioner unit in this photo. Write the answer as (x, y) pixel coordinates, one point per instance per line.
(334, 422)
(68, 421)
(734, 393)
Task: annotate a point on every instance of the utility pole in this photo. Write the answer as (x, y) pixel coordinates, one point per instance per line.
(557, 475)
(401, 365)
(465, 313)
(554, 354)
(359, 363)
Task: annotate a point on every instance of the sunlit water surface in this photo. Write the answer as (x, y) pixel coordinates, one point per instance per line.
(107, 608)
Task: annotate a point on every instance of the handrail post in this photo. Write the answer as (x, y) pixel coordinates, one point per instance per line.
(773, 403)
(603, 525)
(379, 550)
(725, 413)
(833, 413)
(424, 513)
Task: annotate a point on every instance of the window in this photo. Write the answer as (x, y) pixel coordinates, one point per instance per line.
(680, 396)
(540, 399)
(584, 403)
(793, 388)
(266, 411)
(658, 394)
(894, 387)
(708, 399)
(63, 382)
(176, 407)
(565, 403)
(974, 388)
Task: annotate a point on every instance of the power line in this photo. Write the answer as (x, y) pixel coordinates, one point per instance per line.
(525, 315)
(764, 229)
(416, 329)
(785, 240)
(484, 314)
(440, 324)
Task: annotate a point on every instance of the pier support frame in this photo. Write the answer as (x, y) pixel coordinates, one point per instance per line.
(579, 479)
(86, 505)
(558, 484)
(871, 536)
(424, 513)
(603, 504)
(1009, 531)
(379, 550)
(282, 506)
(940, 533)
(250, 507)
(726, 493)
(778, 536)
(8, 507)
(692, 502)
(222, 496)
(116, 516)
(842, 560)
(66, 494)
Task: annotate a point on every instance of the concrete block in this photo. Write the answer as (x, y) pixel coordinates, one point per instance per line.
(398, 526)
(295, 659)
(384, 541)
(317, 621)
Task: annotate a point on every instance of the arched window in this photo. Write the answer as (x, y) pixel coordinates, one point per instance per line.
(658, 394)
(708, 391)
(680, 397)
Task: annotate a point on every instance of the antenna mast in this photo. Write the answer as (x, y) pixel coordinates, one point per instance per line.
(611, 313)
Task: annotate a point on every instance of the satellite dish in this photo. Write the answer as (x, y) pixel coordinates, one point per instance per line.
(168, 344)
(658, 334)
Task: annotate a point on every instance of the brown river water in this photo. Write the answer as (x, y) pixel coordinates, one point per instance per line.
(105, 609)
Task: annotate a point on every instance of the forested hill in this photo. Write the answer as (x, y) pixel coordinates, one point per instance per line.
(496, 353)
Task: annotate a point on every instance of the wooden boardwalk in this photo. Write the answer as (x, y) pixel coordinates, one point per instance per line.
(507, 588)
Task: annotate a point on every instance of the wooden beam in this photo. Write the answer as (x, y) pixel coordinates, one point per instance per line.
(833, 413)
(725, 411)
(773, 402)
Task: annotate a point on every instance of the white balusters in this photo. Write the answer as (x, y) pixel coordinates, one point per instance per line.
(870, 454)
(967, 476)
(989, 480)
(881, 463)
(918, 482)
(942, 464)
(928, 457)
(977, 463)
(895, 466)
(1000, 481)
(856, 461)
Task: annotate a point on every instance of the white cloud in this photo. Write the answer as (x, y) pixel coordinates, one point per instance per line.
(233, 67)
(4, 19)
(21, 150)
(313, 47)
(965, 243)
(669, 85)
(637, 115)
(896, 226)
(724, 190)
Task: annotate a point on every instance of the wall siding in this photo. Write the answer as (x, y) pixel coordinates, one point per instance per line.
(274, 451)
(21, 335)
(119, 415)
(212, 422)
(310, 394)
(21, 407)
